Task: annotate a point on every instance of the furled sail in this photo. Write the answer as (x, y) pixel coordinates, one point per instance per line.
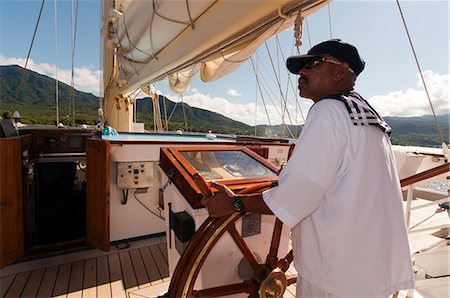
(148, 41)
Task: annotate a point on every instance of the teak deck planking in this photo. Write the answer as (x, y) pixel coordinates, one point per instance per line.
(111, 274)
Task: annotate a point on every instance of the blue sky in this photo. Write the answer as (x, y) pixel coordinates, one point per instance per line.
(390, 81)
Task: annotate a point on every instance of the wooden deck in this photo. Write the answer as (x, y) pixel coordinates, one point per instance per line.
(91, 273)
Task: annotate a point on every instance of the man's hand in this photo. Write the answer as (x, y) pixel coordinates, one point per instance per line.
(220, 203)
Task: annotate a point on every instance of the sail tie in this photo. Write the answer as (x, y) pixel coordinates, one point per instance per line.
(298, 31)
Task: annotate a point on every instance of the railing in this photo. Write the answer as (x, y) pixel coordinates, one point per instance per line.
(409, 183)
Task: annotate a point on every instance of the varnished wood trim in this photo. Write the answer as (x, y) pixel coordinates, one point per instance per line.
(425, 175)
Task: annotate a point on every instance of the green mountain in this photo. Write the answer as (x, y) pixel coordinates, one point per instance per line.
(35, 102)
(36, 98)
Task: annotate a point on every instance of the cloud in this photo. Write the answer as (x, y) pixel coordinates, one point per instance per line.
(414, 101)
(85, 79)
(233, 92)
(243, 112)
(409, 102)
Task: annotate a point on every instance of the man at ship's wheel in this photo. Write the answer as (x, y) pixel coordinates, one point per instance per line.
(339, 192)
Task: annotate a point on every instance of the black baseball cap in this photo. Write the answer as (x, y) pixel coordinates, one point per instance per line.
(336, 48)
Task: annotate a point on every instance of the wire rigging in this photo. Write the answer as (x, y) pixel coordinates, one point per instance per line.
(421, 74)
(56, 65)
(72, 81)
(329, 21)
(28, 57)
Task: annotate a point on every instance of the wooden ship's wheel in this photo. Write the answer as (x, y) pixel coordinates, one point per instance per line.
(269, 278)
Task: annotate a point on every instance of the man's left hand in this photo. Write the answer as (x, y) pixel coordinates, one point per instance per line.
(219, 204)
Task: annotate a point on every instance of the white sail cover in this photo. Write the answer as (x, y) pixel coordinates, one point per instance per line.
(157, 39)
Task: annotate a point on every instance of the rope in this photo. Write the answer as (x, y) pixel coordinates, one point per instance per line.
(329, 21)
(289, 83)
(438, 210)
(256, 110)
(28, 57)
(307, 31)
(298, 31)
(72, 81)
(189, 14)
(259, 88)
(420, 72)
(184, 113)
(151, 56)
(56, 65)
(283, 97)
(169, 19)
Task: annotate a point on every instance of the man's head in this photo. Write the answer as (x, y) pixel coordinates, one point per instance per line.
(330, 67)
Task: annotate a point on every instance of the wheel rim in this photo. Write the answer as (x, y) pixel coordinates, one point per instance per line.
(272, 280)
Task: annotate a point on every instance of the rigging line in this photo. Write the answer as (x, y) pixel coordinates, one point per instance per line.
(277, 79)
(270, 78)
(72, 81)
(184, 112)
(165, 110)
(294, 90)
(189, 14)
(56, 64)
(131, 61)
(173, 111)
(420, 72)
(329, 20)
(28, 57)
(165, 107)
(289, 82)
(260, 91)
(256, 101)
(307, 32)
(126, 50)
(271, 100)
(261, 87)
(284, 96)
(167, 18)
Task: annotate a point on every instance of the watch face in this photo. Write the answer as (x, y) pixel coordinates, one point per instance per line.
(238, 206)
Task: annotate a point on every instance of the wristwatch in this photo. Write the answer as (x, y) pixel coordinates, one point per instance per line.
(237, 205)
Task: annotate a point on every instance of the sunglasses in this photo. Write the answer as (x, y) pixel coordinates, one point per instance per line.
(313, 62)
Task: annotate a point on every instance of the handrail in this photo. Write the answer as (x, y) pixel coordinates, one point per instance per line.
(425, 175)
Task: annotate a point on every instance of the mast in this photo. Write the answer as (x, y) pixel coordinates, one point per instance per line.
(117, 110)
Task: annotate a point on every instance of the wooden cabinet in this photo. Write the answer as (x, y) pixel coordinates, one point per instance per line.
(11, 209)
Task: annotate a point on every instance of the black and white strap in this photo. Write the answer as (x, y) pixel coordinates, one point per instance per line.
(360, 111)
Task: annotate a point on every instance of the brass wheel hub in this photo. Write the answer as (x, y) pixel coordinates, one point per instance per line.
(274, 285)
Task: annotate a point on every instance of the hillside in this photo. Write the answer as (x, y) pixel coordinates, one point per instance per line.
(36, 105)
(36, 98)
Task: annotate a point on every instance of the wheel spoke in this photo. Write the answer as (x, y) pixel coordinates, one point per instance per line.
(272, 260)
(291, 279)
(284, 263)
(248, 254)
(247, 286)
